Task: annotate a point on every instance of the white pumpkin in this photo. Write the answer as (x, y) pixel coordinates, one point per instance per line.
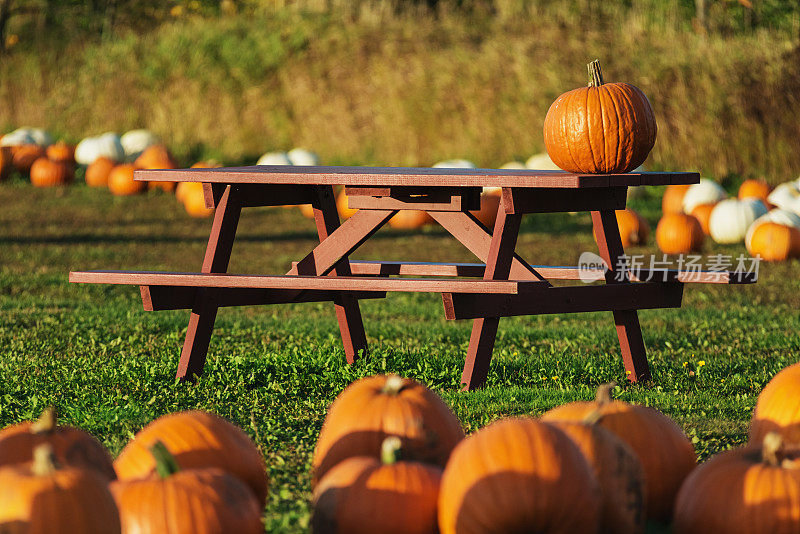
(20, 136)
(454, 164)
(513, 165)
(731, 218)
(301, 156)
(786, 196)
(541, 162)
(779, 216)
(274, 158)
(91, 148)
(705, 192)
(41, 137)
(134, 142)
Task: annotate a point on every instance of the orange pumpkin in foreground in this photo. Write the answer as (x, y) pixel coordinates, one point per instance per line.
(72, 447)
(98, 172)
(755, 189)
(47, 173)
(666, 453)
(365, 495)
(24, 156)
(373, 408)
(618, 471)
(603, 128)
(678, 233)
(702, 212)
(197, 440)
(176, 501)
(672, 201)
(61, 152)
(518, 475)
(749, 490)
(778, 407)
(121, 182)
(41, 497)
(775, 242)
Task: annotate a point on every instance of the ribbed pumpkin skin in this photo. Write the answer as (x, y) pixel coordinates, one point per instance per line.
(362, 416)
(518, 475)
(194, 501)
(61, 152)
(666, 453)
(619, 473)
(778, 407)
(362, 496)
(672, 201)
(755, 189)
(121, 182)
(24, 156)
(735, 492)
(46, 173)
(68, 501)
(98, 172)
(775, 242)
(678, 233)
(605, 129)
(71, 446)
(702, 213)
(197, 440)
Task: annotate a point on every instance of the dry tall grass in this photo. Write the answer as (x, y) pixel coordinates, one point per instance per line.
(372, 85)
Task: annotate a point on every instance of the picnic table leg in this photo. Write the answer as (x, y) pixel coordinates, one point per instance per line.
(629, 331)
(348, 313)
(204, 311)
(484, 330)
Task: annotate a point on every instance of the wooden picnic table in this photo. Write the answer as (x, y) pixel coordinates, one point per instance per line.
(503, 285)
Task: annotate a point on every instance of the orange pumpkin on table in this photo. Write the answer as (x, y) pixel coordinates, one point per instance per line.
(702, 212)
(121, 182)
(666, 453)
(41, 497)
(373, 408)
(98, 172)
(47, 173)
(24, 156)
(157, 157)
(61, 152)
(603, 128)
(672, 201)
(71, 446)
(775, 242)
(393, 495)
(177, 501)
(197, 440)
(678, 233)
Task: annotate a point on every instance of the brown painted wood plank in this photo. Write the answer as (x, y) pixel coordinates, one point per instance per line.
(431, 202)
(571, 299)
(408, 176)
(527, 200)
(326, 283)
(158, 298)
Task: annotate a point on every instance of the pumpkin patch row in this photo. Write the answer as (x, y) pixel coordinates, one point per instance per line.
(392, 458)
(184, 472)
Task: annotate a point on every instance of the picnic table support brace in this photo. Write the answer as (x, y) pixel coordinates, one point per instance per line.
(484, 330)
(629, 331)
(204, 311)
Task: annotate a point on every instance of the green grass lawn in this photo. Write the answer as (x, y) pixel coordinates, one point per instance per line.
(109, 366)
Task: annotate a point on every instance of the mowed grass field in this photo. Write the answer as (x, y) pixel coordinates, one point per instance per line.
(109, 366)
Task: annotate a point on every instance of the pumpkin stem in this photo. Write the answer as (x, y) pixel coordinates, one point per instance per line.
(603, 395)
(391, 450)
(46, 422)
(166, 464)
(595, 74)
(44, 460)
(394, 384)
(593, 417)
(772, 449)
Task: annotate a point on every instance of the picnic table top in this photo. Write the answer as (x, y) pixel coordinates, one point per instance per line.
(412, 176)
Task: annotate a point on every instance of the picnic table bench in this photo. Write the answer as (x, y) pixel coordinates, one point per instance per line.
(502, 285)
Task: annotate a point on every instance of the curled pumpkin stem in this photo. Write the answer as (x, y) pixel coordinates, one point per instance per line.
(391, 450)
(593, 417)
(166, 464)
(603, 395)
(595, 74)
(44, 460)
(46, 422)
(772, 449)
(394, 384)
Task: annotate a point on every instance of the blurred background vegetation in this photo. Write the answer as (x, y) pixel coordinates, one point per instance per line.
(405, 82)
